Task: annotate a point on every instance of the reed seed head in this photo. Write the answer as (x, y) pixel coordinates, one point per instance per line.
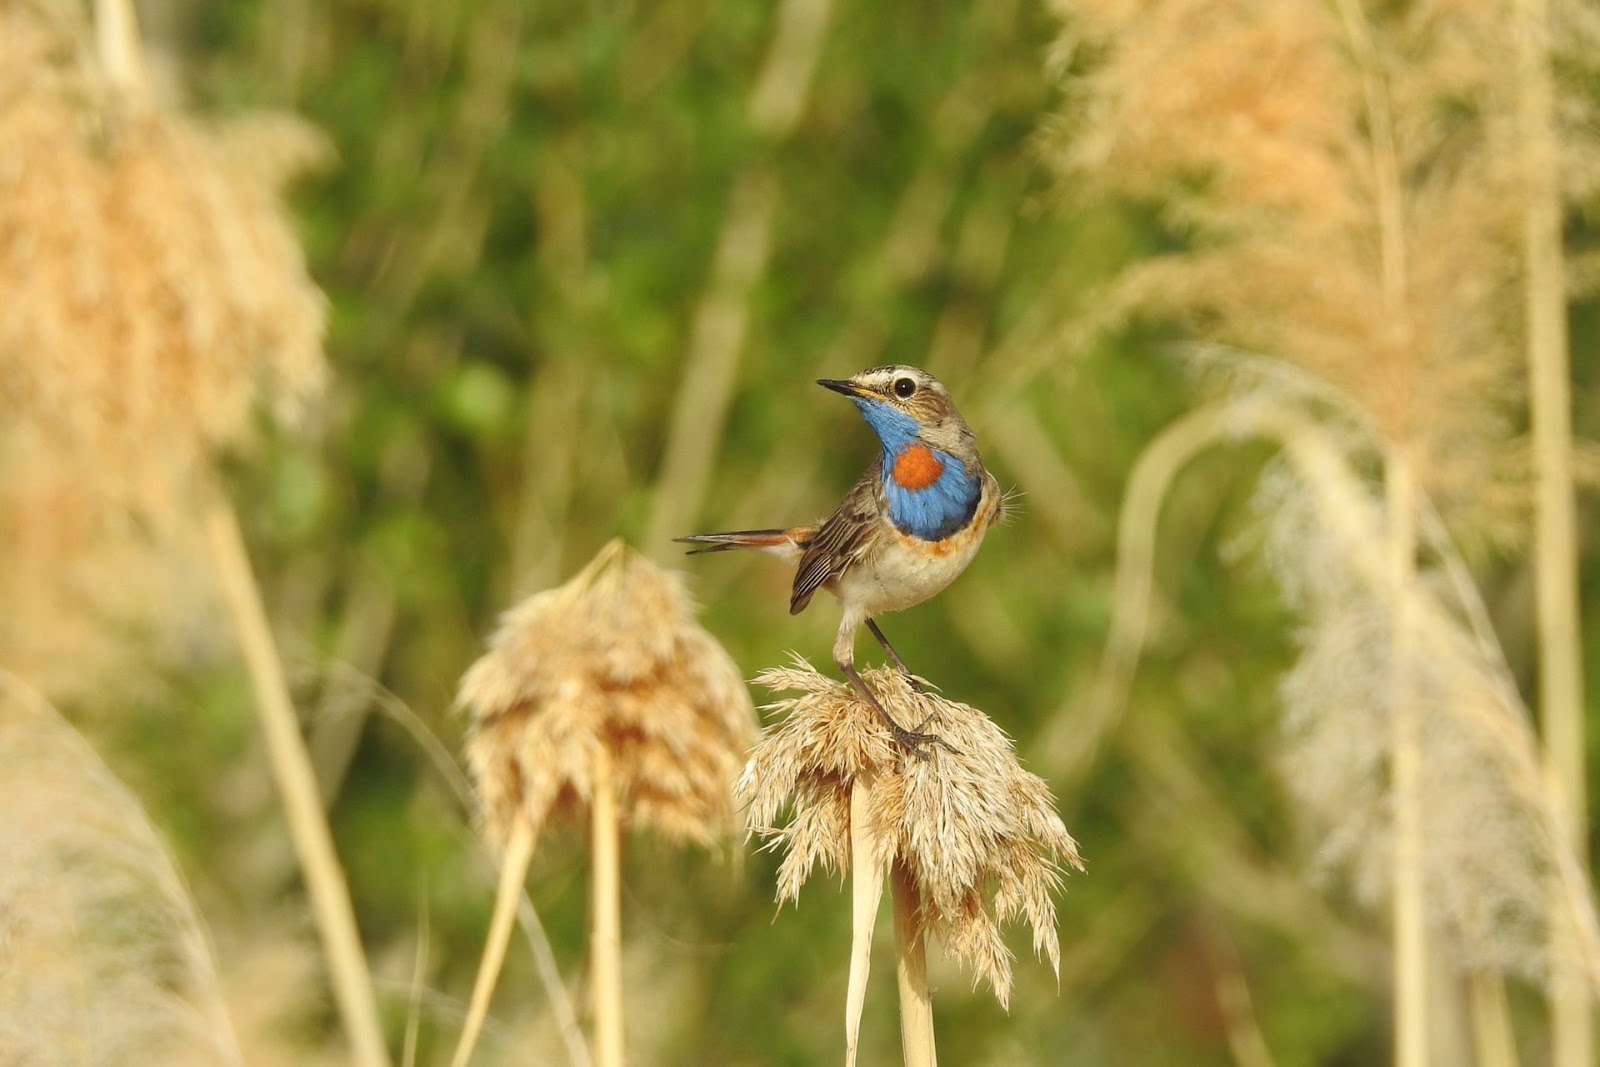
(1489, 849)
(152, 295)
(152, 291)
(103, 957)
(613, 658)
(1344, 184)
(979, 834)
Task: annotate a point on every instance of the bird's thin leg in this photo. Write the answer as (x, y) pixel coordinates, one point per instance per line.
(898, 662)
(844, 655)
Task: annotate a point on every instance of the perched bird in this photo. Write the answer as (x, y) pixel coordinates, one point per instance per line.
(912, 522)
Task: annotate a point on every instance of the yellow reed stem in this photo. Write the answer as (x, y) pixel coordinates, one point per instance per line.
(916, 1000)
(1555, 531)
(866, 890)
(513, 870)
(1493, 1043)
(1408, 903)
(605, 938)
(297, 788)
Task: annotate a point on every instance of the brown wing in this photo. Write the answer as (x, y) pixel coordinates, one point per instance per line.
(842, 540)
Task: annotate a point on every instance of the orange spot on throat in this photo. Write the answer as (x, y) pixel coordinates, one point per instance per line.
(916, 467)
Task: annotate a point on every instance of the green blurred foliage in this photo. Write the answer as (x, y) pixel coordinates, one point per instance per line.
(514, 237)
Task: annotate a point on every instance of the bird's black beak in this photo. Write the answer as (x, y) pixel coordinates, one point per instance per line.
(842, 385)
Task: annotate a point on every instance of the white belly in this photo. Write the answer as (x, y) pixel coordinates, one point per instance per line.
(904, 570)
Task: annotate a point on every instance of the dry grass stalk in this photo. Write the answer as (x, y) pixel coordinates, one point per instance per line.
(1555, 559)
(605, 927)
(105, 957)
(296, 781)
(975, 836)
(610, 662)
(911, 971)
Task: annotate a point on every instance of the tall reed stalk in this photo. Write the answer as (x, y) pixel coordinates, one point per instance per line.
(297, 788)
(1408, 913)
(1555, 549)
(911, 969)
(866, 896)
(605, 912)
(513, 869)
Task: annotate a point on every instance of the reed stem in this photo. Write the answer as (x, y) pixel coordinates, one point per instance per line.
(1493, 1042)
(916, 1000)
(513, 870)
(297, 788)
(866, 891)
(1555, 536)
(1409, 905)
(605, 941)
(116, 29)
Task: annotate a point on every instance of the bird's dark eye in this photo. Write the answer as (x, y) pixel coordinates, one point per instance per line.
(904, 387)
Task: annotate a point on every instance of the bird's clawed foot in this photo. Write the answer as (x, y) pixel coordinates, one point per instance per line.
(918, 742)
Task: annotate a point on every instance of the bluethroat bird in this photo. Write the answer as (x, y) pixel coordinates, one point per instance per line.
(909, 526)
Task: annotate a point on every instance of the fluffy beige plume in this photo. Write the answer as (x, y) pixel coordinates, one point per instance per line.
(103, 958)
(154, 290)
(1344, 181)
(979, 835)
(91, 592)
(613, 658)
(1491, 846)
(1345, 184)
(151, 294)
(604, 698)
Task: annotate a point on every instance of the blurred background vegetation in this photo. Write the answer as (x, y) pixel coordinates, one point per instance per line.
(535, 223)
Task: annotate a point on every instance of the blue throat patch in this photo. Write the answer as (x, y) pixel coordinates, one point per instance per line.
(935, 511)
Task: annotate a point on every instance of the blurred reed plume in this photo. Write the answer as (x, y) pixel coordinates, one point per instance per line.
(1352, 200)
(969, 838)
(151, 294)
(613, 659)
(155, 292)
(1347, 200)
(1491, 842)
(601, 696)
(103, 956)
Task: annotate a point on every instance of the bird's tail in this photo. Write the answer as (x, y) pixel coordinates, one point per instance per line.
(788, 543)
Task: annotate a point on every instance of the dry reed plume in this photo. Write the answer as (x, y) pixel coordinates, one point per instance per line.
(601, 697)
(1491, 838)
(614, 660)
(1347, 185)
(151, 294)
(969, 838)
(155, 292)
(103, 958)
